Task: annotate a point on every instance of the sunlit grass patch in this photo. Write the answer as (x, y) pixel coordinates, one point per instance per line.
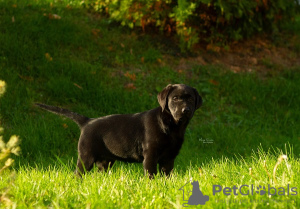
(125, 185)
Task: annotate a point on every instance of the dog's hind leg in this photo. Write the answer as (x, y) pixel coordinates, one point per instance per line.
(84, 164)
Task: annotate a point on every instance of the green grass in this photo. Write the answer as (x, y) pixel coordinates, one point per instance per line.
(249, 118)
(124, 186)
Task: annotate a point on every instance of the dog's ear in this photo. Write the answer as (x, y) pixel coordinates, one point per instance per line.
(163, 96)
(198, 98)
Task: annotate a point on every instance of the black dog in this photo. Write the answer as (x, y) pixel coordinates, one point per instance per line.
(152, 137)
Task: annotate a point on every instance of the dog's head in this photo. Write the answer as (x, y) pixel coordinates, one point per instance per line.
(180, 100)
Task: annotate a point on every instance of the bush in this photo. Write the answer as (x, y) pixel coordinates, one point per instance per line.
(6, 150)
(194, 21)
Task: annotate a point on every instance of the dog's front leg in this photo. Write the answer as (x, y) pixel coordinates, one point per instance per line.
(150, 165)
(166, 166)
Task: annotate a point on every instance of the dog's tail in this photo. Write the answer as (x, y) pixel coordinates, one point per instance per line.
(79, 119)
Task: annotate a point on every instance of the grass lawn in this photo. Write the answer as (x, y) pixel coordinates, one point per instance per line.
(246, 134)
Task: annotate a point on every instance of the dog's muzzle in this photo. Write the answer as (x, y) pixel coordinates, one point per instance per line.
(184, 115)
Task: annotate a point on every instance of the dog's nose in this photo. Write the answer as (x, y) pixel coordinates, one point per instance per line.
(185, 110)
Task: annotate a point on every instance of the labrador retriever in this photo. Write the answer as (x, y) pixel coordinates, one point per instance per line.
(151, 137)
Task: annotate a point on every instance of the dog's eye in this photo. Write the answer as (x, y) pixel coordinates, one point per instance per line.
(175, 98)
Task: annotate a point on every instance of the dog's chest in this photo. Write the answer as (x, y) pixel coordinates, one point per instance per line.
(170, 146)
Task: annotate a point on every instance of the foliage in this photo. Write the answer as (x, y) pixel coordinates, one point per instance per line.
(6, 149)
(11, 147)
(194, 21)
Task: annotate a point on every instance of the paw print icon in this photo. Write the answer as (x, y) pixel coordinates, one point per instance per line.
(261, 190)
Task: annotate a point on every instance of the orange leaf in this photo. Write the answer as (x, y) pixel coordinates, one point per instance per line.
(75, 84)
(95, 32)
(130, 86)
(54, 16)
(130, 76)
(213, 82)
(211, 47)
(48, 57)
